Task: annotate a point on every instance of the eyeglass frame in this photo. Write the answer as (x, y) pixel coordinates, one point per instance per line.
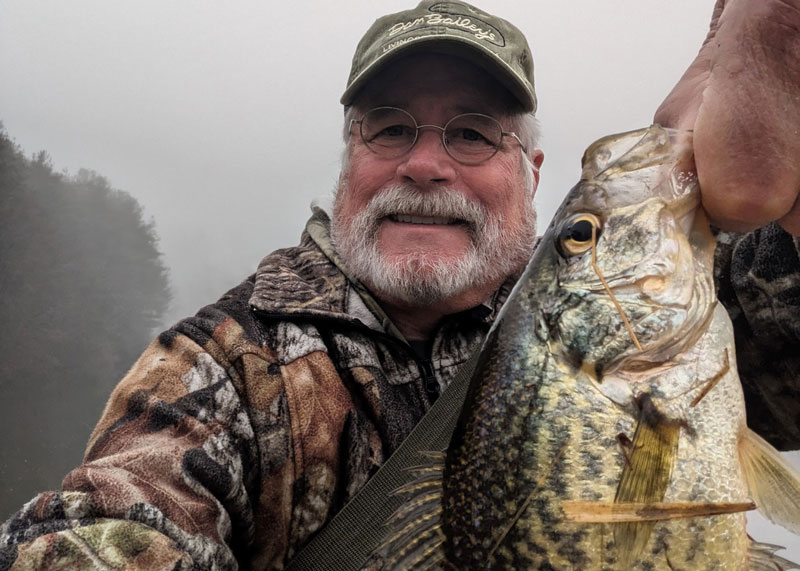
(442, 129)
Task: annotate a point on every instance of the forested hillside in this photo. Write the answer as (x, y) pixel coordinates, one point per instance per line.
(82, 287)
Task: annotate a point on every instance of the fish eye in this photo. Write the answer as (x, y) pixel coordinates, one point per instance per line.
(575, 236)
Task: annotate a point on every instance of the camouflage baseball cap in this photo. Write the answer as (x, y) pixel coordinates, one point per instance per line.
(455, 28)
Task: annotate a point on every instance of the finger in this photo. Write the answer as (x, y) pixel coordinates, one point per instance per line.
(679, 109)
(747, 131)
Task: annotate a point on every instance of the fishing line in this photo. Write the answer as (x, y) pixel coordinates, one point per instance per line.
(596, 269)
(712, 382)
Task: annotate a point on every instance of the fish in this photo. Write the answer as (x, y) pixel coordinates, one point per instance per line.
(604, 426)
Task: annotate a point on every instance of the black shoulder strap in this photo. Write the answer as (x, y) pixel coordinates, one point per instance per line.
(356, 531)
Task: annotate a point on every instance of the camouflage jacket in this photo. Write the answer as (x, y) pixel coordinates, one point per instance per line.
(242, 430)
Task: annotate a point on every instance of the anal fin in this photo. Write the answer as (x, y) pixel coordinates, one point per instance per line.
(645, 476)
(764, 557)
(774, 483)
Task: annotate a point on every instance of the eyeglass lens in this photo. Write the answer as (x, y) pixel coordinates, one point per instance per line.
(470, 138)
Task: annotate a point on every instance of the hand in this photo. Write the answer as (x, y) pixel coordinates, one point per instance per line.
(741, 96)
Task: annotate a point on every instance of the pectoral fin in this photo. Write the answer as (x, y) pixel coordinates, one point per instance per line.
(774, 483)
(645, 476)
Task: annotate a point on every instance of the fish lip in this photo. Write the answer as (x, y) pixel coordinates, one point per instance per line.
(620, 285)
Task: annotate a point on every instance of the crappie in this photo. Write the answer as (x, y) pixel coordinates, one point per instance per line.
(606, 408)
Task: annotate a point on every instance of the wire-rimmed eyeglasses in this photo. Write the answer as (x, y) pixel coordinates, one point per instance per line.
(470, 138)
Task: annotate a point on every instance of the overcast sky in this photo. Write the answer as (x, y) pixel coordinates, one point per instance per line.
(223, 119)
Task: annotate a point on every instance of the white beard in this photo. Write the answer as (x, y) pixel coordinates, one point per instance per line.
(419, 278)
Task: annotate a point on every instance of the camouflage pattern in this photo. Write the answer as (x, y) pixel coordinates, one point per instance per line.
(242, 430)
(758, 279)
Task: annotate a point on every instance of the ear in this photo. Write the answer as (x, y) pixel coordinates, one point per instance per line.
(536, 157)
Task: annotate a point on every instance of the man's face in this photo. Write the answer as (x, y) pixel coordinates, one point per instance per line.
(421, 228)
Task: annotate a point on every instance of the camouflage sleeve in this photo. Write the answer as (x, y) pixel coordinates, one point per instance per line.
(169, 473)
(758, 275)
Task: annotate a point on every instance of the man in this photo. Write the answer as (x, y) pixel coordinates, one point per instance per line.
(241, 431)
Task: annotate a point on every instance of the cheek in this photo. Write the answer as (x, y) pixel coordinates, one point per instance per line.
(366, 175)
(502, 189)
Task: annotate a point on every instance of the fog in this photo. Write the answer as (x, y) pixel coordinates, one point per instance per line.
(224, 121)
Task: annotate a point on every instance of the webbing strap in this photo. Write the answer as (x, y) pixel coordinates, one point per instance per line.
(356, 531)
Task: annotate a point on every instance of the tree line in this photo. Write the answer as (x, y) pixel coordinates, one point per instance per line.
(82, 288)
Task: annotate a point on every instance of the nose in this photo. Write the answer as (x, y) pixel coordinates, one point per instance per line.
(427, 163)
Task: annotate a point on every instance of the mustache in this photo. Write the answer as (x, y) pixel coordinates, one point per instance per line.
(442, 202)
